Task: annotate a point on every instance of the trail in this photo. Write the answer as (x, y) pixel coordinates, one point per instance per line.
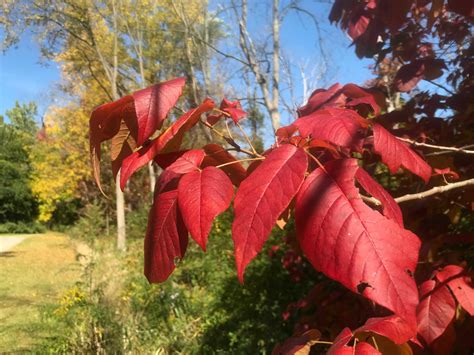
(35, 271)
(8, 242)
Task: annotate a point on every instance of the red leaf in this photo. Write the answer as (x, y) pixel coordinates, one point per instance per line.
(335, 125)
(104, 124)
(298, 345)
(435, 311)
(169, 140)
(216, 155)
(364, 348)
(166, 159)
(447, 172)
(353, 244)
(340, 342)
(340, 96)
(166, 237)
(460, 285)
(396, 153)
(322, 97)
(189, 161)
(261, 199)
(153, 104)
(236, 114)
(391, 209)
(358, 26)
(285, 133)
(392, 327)
(358, 96)
(409, 75)
(202, 196)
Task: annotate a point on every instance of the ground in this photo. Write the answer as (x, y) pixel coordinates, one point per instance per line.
(33, 274)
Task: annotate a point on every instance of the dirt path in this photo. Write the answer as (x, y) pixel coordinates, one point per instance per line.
(33, 276)
(9, 241)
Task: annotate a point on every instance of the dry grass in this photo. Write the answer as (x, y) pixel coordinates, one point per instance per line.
(32, 276)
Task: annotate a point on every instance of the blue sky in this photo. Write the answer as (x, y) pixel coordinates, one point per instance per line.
(24, 78)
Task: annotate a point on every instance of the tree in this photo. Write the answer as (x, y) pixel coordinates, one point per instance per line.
(17, 201)
(361, 250)
(90, 39)
(318, 173)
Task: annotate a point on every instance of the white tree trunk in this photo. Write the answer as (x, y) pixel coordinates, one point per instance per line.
(120, 207)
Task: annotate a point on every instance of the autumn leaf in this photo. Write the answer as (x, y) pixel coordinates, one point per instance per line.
(353, 244)
(391, 209)
(189, 161)
(435, 311)
(392, 327)
(363, 348)
(202, 196)
(166, 237)
(105, 123)
(298, 345)
(396, 153)
(261, 199)
(338, 126)
(216, 155)
(340, 342)
(153, 104)
(460, 284)
(169, 140)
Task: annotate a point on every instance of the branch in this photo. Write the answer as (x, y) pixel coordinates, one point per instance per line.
(421, 195)
(438, 147)
(434, 191)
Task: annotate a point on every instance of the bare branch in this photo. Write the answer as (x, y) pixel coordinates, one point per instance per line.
(421, 195)
(438, 147)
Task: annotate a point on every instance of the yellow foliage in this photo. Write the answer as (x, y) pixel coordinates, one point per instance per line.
(60, 161)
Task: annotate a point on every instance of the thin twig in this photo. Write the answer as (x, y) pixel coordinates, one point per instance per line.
(228, 140)
(421, 195)
(316, 160)
(434, 191)
(440, 86)
(247, 138)
(238, 161)
(439, 147)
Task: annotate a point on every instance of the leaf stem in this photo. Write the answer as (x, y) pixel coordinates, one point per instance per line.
(238, 161)
(316, 160)
(247, 138)
(229, 140)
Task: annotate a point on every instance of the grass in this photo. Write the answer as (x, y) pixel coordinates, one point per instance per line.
(32, 276)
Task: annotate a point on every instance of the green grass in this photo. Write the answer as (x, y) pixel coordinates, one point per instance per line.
(32, 276)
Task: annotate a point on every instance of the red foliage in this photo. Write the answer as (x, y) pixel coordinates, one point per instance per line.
(370, 253)
(311, 172)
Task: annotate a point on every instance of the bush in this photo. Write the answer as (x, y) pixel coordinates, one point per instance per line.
(91, 225)
(115, 310)
(21, 227)
(66, 214)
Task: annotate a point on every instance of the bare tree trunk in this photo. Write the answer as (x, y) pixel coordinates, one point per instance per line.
(274, 112)
(151, 173)
(119, 195)
(270, 94)
(120, 207)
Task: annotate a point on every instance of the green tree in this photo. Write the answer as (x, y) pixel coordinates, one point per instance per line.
(22, 117)
(17, 202)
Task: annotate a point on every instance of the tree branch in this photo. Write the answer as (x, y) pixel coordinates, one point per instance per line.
(421, 195)
(438, 147)
(434, 191)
